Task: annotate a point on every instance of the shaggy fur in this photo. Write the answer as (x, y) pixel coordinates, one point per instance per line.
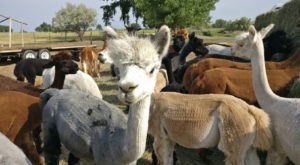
(29, 69)
(101, 131)
(207, 121)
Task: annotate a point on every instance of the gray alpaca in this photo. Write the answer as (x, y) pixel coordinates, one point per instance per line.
(93, 129)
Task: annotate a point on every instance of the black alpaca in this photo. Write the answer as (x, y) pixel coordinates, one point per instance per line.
(29, 69)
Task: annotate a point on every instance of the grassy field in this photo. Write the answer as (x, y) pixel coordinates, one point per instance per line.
(36, 38)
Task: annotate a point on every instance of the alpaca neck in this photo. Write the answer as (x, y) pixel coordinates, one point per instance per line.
(137, 128)
(263, 92)
(184, 52)
(59, 79)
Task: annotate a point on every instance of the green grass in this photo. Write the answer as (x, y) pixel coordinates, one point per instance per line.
(38, 38)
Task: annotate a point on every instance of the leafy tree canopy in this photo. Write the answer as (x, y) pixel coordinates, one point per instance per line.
(174, 13)
(74, 18)
(44, 27)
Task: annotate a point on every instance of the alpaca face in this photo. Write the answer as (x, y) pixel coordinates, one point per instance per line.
(138, 61)
(136, 82)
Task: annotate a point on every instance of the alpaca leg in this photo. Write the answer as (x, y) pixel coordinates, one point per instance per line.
(37, 139)
(52, 145)
(234, 154)
(84, 67)
(163, 148)
(276, 158)
(31, 79)
(21, 78)
(73, 160)
(251, 157)
(26, 143)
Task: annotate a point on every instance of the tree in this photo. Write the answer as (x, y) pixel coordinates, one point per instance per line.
(125, 6)
(98, 27)
(44, 27)
(174, 13)
(239, 24)
(220, 23)
(4, 28)
(74, 19)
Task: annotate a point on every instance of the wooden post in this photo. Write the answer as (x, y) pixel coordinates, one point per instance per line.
(22, 35)
(9, 33)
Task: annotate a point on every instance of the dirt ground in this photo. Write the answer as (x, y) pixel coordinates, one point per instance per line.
(108, 88)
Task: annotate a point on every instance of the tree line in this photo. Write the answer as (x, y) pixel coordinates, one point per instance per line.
(238, 24)
(154, 13)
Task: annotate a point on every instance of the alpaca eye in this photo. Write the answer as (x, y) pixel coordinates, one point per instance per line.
(152, 70)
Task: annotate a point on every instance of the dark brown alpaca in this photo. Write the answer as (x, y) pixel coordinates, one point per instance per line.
(20, 113)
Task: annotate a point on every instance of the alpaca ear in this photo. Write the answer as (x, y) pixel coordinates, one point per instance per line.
(162, 40)
(110, 33)
(252, 32)
(192, 35)
(264, 31)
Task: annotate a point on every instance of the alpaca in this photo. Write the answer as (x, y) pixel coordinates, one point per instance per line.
(169, 61)
(197, 69)
(89, 59)
(29, 69)
(19, 117)
(284, 112)
(10, 153)
(80, 81)
(294, 91)
(101, 131)
(194, 44)
(182, 32)
(161, 80)
(207, 121)
(239, 82)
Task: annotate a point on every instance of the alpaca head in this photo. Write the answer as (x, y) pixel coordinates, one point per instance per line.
(63, 63)
(251, 43)
(178, 42)
(138, 60)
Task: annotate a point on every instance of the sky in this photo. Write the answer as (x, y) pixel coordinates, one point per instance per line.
(35, 12)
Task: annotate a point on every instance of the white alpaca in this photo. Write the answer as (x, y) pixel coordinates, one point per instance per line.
(284, 112)
(94, 129)
(236, 50)
(80, 81)
(10, 154)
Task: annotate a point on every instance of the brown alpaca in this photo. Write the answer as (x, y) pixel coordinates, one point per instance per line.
(200, 67)
(20, 113)
(238, 82)
(17, 120)
(182, 32)
(89, 60)
(194, 121)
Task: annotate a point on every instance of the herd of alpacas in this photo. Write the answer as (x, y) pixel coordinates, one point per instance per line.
(227, 97)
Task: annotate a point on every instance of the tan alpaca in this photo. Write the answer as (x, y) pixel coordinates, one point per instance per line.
(203, 121)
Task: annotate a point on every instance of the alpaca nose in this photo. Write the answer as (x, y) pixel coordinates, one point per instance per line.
(129, 87)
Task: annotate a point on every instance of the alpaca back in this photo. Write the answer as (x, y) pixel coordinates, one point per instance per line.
(80, 81)
(263, 138)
